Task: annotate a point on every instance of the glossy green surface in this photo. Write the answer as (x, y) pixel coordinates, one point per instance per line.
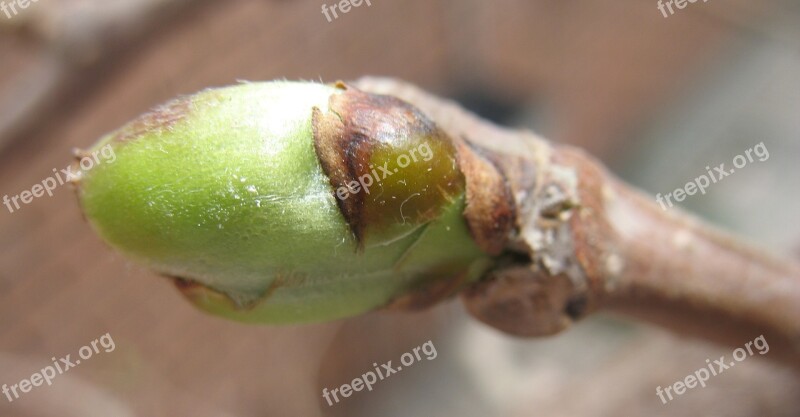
(224, 188)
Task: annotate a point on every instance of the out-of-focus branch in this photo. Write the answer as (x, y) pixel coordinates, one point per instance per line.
(68, 37)
(584, 241)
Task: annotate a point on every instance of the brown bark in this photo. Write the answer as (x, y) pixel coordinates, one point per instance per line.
(584, 241)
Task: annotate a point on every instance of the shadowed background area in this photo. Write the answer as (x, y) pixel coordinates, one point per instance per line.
(658, 99)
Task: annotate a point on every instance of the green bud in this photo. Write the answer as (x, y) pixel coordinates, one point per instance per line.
(285, 202)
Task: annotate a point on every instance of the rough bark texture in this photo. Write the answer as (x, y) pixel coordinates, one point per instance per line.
(584, 241)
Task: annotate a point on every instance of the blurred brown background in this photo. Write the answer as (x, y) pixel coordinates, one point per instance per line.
(656, 98)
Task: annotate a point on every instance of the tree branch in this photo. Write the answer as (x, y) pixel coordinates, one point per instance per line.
(584, 241)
